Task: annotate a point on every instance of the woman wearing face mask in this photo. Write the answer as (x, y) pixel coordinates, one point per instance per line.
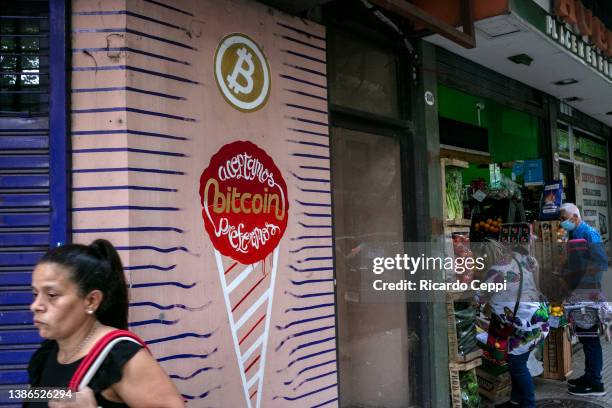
(585, 267)
(80, 296)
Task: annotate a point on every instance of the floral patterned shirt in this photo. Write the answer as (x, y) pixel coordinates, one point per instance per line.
(531, 320)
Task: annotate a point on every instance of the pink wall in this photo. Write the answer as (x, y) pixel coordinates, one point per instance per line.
(147, 118)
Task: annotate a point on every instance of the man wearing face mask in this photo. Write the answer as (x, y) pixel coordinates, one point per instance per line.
(587, 261)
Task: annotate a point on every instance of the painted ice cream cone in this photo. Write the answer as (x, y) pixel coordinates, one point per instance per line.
(245, 211)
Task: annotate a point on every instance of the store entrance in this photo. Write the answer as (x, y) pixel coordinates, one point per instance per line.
(373, 338)
(566, 172)
(380, 341)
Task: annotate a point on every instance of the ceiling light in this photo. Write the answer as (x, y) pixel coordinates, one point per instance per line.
(573, 99)
(521, 59)
(567, 81)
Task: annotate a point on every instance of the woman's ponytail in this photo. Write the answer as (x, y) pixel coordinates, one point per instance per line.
(113, 310)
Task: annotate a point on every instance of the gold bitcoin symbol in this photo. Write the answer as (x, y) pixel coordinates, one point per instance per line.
(242, 73)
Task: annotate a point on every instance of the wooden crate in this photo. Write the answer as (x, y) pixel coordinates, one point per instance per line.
(558, 354)
(455, 383)
(458, 222)
(494, 387)
(498, 395)
(453, 342)
(451, 298)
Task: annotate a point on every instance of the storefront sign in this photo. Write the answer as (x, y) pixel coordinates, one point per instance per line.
(590, 151)
(573, 12)
(533, 172)
(596, 53)
(242, 73)
(244, 200)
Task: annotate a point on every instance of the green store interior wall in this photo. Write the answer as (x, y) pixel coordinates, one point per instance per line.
(513, 135)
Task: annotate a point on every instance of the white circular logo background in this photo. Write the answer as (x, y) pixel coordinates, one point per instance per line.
(242, 72)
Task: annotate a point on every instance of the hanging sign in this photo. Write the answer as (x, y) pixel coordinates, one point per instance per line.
(533, 172)
(550, 202)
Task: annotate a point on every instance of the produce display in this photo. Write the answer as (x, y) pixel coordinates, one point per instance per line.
(556, 311)
(485, 226)
(489, 225)
(454, 192)
(515, 233)
(561, 234)
(479, 184)
(470, 398)
(465, 321)
(557, 316)
(461, 249)
(499, 211)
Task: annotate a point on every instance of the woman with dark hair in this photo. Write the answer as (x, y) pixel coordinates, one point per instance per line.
(81, 297)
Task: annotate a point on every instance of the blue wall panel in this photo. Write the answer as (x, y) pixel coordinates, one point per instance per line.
(34, 186)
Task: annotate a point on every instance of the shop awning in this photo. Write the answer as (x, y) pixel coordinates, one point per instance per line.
(574, 72)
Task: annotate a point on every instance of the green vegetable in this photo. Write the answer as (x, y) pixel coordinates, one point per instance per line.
(454, 192)
(469, 390)
(465, 324)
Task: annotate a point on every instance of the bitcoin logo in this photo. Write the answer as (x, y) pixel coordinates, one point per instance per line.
(242, 73)
(243, 56)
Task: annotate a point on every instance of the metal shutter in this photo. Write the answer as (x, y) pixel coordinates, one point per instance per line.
(25, 193)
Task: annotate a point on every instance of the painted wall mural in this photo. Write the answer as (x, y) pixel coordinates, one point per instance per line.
(244, 200)
(242, 72)
(244, 208)
(201, 149)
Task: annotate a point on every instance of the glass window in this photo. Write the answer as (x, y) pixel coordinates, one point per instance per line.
(373, 338)
(585, 176)
(362, 76)
(24, 81)
(563, 141)
(588, 149)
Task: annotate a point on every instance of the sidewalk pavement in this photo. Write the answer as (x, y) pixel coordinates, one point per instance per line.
(558, 389)
(551, 389)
